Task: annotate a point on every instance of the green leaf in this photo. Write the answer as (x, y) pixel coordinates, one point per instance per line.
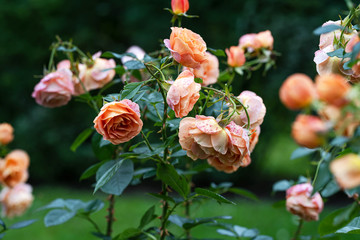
(148, 216)
(128, 233)
(198, 80)
(213, 195)
(355, 52)
(114, 176)
(340, 53)
(102, 152)
(244, 193)
(199, 221)
(90, 171)
(339, 141)
(58, 216)
(134, 64)
(302, 152)
(64, 49)
(93, 206)
(352, 227)
(130, 90)
(330, 189)
(168, 175)
(323, 178)
(217, 52)
(101, 236)
(117, 55)
(282, 185)
(22, 224)
(120, 70)
(81, 138)
(2, 223)
(327, 29)
(57, 203)
(166, 198)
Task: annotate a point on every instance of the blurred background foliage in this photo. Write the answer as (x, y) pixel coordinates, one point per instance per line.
(28, 27)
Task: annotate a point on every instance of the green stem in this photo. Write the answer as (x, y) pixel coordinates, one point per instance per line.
(164, 215)
(298, 230)
(146, 141)
(110, 216)
(51, 61)
(87, 217)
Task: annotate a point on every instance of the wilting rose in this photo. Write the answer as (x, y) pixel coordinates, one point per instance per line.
(139, 54)
(300, 202)
(118, 122)
(55, 89)
(16, 200)
(332, 89)
(226, 149)
(179, 6)
(14, 168)
(346, 170)
(186, 47)
(235, 56)
(255, 108)
(308, 131)
(266, 39)
(297, 91)
(6, 133)
(183, 94)
(250, 42)
(208, 70)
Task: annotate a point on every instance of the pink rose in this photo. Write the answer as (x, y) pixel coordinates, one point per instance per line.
(226, 149)
(183, 94)
(6, 133)
(186, 47)
(300, 202)
(14, 168)
(255, 108)
(16, 200)
(55, 89)
(250, 42)
(235, 56)
(118, 122)
(266, 39)
(327, 39)
(208, 70)
(346, 170)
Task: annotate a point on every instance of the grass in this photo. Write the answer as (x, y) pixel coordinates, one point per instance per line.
(275, 222)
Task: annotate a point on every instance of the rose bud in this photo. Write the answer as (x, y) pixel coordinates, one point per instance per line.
(55, 89)
(139, 54)
(297, 92)
(16, 200)
(208, 70)
(300, 202)
(226, 149)
(236, 56)
(346, 170)
(6, 133)
(118, 122)
(14, 168)
(179, 6)
(186, 47)
(183, 94)
(255, 108)
(332, 89)
(266, 39)
(250, 41)
(308, 131)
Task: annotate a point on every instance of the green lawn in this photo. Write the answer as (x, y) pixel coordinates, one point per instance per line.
(271, 221)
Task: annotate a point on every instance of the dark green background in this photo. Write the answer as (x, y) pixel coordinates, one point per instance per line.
(28, 27)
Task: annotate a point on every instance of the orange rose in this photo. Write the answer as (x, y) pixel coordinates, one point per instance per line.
(332, 89)
(183, 94)
(346, 170)
(236, 56)
(186, 47)
(208, 70)
(16, 200)
(13, 170)
(297, 91)
(179, 6)
(6, 133)
(307, 131)
(118, 122)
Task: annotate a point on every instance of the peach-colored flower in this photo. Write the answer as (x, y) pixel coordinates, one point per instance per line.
(235, 56)
(327, 39)
(55, 89)
(300, 202)
(16, 200)
(346, 170)
(139, 54)
(226, 149)
(186, 47)
(208, 70)
(326, 64)
(250, 42)
(254, 138)
(266, 39)
(255, 108)
(332, 89)
(183, 94)
(179, 6)
(6, 133)
(118, 122)
(308, 131)
(14, 168)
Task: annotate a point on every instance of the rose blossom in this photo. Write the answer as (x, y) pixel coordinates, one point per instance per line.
(55, 89)
(346, 170)
(14, 168)
(186, 47)
(183, 94)
(255, 108)
(6, 133)
(208, 70)
(119, 122)
(308, 131)
(332, 89)
(254, 138)
(226, 149)
(250, 42)
(266, 39)
(300, 202)
(179, 6)
(327, 39)
(235, 56)
(16, 200)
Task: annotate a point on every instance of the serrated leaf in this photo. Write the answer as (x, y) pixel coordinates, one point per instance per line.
(22, 224)
(81, 138)
(213, 195)
(130, 90)
(90, 171)
(302, 152)
(327, 29)
(148, 216)
(352, 227)
(134, 64)
(168, 175)
(58, 216)
(244, 193)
